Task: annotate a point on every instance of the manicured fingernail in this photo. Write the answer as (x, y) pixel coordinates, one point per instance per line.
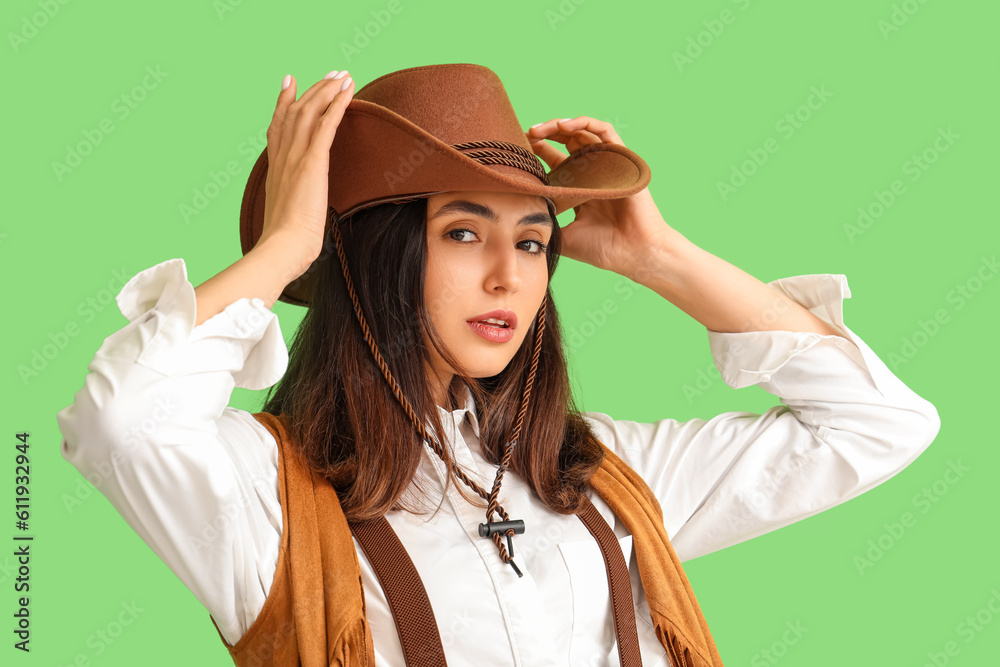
(330, 75)
(564, 119)
(346, 84)
(537, 124)
(287, 81)
(341, 75)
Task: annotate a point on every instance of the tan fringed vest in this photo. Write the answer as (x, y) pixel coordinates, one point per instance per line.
(314, 614)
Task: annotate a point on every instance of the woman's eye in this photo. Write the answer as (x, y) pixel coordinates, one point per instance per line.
(539, 249)
(458, 231)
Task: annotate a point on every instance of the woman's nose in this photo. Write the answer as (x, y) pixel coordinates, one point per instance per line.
(504, 270)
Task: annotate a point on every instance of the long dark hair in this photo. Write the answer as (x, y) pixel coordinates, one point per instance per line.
(341, 410)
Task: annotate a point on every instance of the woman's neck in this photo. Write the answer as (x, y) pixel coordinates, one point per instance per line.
(444, 394)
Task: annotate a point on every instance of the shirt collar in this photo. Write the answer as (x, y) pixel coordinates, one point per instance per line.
(466, 412)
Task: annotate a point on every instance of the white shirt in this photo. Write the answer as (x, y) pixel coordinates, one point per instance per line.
(197, 480)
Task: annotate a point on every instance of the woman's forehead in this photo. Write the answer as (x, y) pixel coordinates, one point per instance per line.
(457, 200)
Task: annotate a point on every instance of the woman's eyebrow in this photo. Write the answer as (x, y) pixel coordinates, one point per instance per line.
(483, 211)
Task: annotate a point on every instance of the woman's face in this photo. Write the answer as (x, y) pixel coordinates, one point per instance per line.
(485, 252)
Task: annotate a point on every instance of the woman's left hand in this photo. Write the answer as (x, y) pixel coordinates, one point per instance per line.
(612, 234)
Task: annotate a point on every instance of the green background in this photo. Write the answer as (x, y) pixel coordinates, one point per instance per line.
(896, 74)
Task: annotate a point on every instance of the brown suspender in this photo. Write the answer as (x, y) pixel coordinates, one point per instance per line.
(411, 610)
(618, 581)
(415, 623)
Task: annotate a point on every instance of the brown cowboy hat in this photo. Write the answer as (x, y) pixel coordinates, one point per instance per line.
(439, 128)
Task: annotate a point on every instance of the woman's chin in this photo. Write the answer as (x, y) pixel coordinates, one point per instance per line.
(487, 365)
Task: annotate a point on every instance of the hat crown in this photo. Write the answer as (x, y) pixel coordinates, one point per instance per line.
(455, 102)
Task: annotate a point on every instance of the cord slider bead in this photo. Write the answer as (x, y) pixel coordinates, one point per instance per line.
(487, 529)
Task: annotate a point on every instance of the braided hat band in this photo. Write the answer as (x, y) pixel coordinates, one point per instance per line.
(508, 154)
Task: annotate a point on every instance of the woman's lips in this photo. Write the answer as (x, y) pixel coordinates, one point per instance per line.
(492, 332)
(508, 316)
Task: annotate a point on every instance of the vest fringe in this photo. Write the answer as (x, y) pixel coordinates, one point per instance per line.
(351, 648)
(677, 648)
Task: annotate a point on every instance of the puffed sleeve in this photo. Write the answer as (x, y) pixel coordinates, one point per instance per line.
(845, 424)
(152, 430)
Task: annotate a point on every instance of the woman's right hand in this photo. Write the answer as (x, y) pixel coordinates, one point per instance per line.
(298, 161)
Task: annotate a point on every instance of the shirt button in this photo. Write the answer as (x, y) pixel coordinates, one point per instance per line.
(766, 377)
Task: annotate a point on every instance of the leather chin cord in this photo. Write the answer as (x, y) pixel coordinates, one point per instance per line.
(492, 529)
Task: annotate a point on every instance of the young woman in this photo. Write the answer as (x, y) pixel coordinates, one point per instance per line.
(440, 307)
